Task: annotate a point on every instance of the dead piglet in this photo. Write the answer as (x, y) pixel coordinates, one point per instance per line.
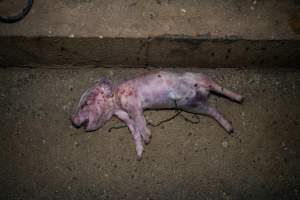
(157, 90)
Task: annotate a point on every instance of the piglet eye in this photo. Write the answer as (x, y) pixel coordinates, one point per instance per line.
(83, 105)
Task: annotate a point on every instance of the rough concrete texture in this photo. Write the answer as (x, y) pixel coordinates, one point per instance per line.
(251, 19)
(43, 157)
(164, 33)
(160, 51)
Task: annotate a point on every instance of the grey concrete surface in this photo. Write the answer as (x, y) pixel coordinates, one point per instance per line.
(247, 19)
(43, 157)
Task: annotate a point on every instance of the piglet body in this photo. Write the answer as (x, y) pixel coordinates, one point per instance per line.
(157, 90)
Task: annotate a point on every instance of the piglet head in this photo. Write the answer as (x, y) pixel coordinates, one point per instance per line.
(95, 106)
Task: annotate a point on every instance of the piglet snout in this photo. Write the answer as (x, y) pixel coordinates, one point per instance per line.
(77, 121)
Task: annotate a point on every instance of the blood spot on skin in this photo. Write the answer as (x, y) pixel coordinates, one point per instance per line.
(195, 85)
(169, 82)
(159, 75)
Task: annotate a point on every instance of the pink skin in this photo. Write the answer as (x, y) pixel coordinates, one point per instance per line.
(157, 90)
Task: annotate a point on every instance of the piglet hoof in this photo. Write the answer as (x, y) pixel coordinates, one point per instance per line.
(230, 131)
(139, 158)
(139, 153)
(240, 99)
(147, 141)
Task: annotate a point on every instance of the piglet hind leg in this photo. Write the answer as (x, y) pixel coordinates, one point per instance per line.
(212, 112)
(215, 87)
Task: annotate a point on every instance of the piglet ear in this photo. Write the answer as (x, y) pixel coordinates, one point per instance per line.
(85, 99)
(104, 80)
(107, 85)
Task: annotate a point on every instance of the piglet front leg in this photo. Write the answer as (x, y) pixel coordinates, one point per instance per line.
(134, 131)
(136, 114)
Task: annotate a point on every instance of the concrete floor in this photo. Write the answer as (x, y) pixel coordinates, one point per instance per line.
(251, 19)
(43, 157)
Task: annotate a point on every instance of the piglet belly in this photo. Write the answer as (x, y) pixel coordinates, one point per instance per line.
(157, 100)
